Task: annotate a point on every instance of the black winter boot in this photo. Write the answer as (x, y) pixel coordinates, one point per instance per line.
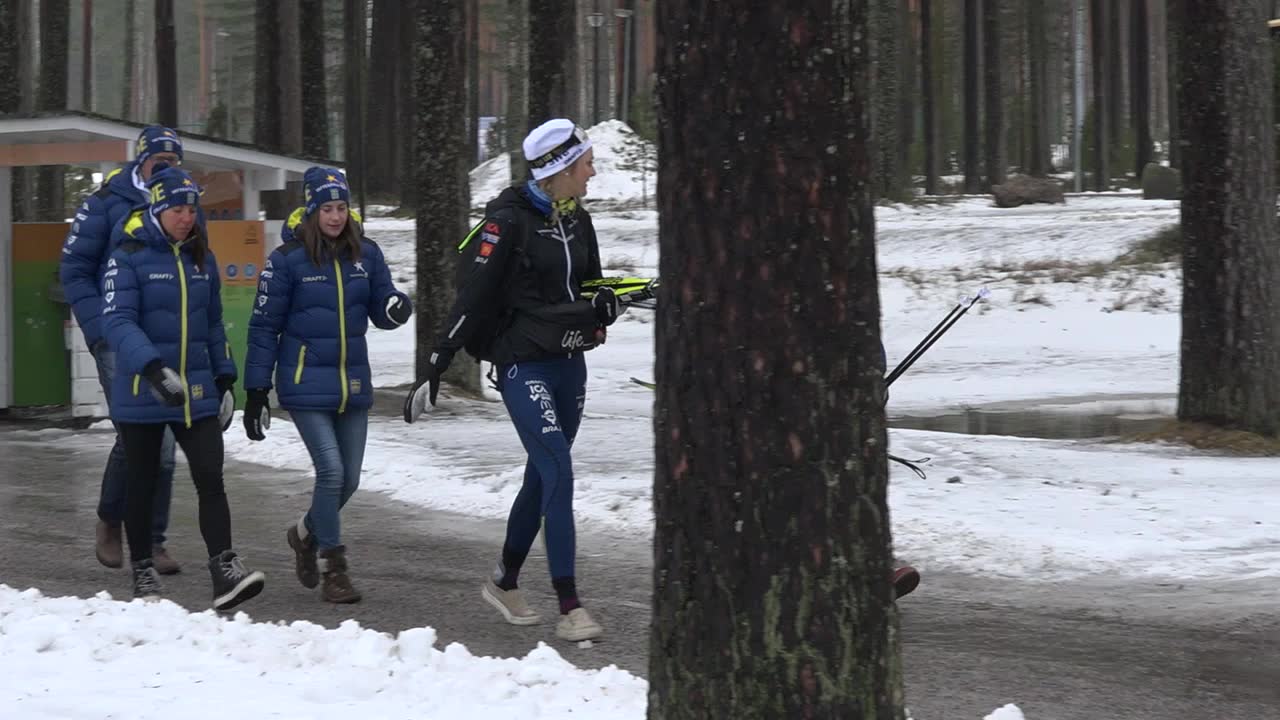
(232, 582)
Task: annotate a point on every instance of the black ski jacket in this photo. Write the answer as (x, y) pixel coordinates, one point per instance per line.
(519, 278)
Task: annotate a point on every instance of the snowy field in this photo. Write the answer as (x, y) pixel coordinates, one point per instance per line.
(1060, 329)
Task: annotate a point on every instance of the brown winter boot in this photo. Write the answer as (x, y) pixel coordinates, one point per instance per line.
(336, 587)
(164, 563)
(108, 545)
(304, 558)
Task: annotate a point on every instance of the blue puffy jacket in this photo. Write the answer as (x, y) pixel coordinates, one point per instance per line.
(88, 245)
(309, 323)
(157, 305)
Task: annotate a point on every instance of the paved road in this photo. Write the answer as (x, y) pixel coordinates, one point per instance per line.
(1081, 651)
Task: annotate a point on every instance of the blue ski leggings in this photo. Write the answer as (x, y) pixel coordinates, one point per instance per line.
(545, 399)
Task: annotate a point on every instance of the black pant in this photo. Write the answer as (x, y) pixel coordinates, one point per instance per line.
(202, 444)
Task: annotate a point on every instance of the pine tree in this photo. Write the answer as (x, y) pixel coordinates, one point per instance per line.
(772, 547)
(55, 18)
(315, 105)
(440, 162)
(1230, 353)
(547, 61)
(9, 56)
(517, 117)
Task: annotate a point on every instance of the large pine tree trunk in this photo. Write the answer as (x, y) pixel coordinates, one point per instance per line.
(1116, 60)
(1101, 95)
(927, 102)
(993, 97)
(1037, 43)
(55, 19)
(86, 55)
(517, 119)
(772, 546)
(908, 65)
(886, 90)
(354, 39)
(405, 108)
(266, 65)
(24, 179)
(290, 78)
(10, 58)
(573, 68)
(548, 96)
(126, 85)
(1173, 9)
(440, 114)
(1140, 85)
(972, 98)
(380, 147)
(1230, 369)
(473, 81)
(315, 106)
(166, 39)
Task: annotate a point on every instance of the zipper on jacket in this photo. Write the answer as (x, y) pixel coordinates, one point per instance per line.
(342, 337)
(302, 359)
(568, 260)
(137, 380)
(182, 348)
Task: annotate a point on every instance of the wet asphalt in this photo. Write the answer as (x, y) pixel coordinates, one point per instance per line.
(1097, 649)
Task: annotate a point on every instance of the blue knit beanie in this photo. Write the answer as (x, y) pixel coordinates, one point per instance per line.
(156, 139)
(171, 187)
(322, 185)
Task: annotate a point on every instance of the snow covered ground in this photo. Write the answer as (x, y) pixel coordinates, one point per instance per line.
(89, 659)
(77, 659)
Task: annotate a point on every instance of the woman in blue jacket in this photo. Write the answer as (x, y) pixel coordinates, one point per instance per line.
(162, 316)
(316, 296)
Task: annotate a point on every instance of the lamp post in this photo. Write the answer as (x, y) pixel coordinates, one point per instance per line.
(596, 19)
(625, 14)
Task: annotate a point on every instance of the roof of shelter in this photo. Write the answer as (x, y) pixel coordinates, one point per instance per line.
(204, 152)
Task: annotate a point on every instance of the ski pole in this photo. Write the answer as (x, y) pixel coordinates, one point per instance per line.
(938, 331)
(910, 357)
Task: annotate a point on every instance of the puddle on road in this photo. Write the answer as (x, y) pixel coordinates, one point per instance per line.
(1048, 424)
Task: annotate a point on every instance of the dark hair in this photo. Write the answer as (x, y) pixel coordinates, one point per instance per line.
(318, 244)
(199, 245)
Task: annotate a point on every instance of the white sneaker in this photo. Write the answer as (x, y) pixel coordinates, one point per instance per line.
(578, 626)
(510, 603)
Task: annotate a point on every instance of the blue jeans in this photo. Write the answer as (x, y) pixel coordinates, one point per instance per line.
(545, 401)
(113, 498)
(336, 443)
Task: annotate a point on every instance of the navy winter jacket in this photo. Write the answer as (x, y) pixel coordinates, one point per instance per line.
(157, 305)
(309, 323)
(89, 244)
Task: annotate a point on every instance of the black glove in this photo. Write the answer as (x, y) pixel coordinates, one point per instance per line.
(428, 388)
(166, 384)
(606, 306)
(257, 414)
(399, 309)
(226, 400)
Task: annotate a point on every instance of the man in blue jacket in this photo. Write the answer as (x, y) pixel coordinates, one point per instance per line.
(84, 255)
